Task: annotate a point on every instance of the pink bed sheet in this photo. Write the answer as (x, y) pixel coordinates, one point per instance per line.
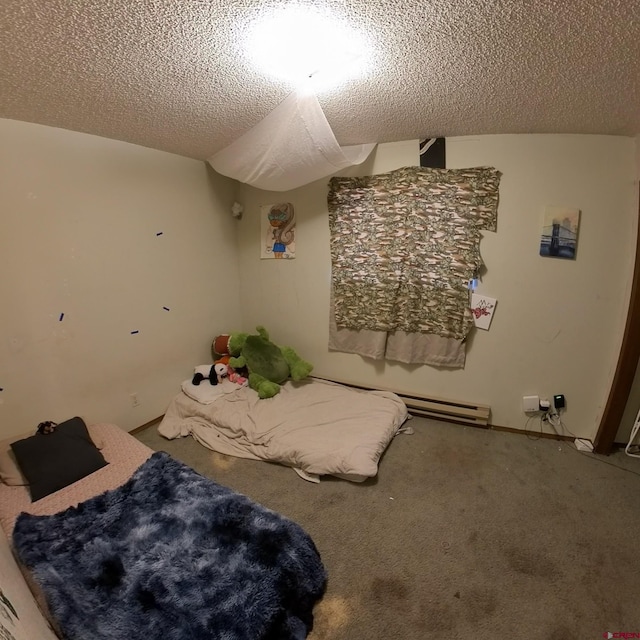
(121, 450)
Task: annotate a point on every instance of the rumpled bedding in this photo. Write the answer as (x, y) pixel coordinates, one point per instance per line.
(315, 426)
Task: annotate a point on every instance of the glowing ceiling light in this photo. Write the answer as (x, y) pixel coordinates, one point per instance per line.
(305, 46)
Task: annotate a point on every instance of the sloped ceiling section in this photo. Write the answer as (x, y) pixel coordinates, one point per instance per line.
(173, 75)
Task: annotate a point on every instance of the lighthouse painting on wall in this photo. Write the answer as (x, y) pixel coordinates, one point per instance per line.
(559, 237)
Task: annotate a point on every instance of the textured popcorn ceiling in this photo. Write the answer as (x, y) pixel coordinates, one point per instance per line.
(171, 74)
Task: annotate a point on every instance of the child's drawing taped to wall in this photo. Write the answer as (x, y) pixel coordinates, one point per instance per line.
(278, 231)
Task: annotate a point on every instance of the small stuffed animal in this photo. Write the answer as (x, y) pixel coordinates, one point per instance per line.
(238, 378)
(214, 373)
(46, 427)
(268, 364)
(204, 372)
(222, 370)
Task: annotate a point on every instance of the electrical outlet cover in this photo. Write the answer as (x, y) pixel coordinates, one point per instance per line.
(530, 403)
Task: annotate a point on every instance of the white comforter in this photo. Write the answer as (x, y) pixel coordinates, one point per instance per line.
(316, 427)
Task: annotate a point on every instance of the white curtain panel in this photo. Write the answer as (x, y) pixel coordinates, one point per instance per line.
(290, 147)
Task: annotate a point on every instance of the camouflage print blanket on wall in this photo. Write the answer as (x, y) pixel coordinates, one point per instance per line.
(405, 244)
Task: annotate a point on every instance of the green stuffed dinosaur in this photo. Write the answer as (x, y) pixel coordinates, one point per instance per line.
(268, 364)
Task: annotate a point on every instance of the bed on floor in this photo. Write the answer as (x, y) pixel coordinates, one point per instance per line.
(145, 547)
(315, 426)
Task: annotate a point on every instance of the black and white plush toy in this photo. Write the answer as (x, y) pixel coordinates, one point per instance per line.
(46, 427)
(214, 373)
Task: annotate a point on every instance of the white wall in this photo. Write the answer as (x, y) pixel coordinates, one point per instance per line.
(558, 324)
(79, 218)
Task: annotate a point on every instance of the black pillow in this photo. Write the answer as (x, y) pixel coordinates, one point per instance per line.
(55, 460)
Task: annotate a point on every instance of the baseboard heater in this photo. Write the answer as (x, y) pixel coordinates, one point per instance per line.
(434, 407)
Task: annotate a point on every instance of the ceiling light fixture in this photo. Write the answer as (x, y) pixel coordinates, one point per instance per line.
(306, 47)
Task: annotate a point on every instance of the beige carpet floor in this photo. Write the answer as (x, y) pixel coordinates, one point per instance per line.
(464, 534)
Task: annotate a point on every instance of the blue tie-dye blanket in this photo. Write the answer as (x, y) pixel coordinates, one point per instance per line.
(173, 555)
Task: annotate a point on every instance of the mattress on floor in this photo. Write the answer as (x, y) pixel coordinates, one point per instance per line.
(315, 426)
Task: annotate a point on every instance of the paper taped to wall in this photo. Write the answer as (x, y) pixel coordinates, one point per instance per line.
(482, 308)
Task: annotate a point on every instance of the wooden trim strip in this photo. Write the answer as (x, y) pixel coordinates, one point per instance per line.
(627, 364)
(146, 425)
(538, 434)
